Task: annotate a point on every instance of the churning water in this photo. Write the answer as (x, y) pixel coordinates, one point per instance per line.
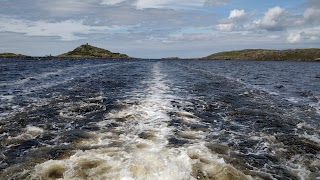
(117, 119)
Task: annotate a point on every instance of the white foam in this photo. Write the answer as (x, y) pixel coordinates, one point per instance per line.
(7, 97)
(297, 168)
(138, 148)
(31, 132)
(316, 106)
(313, 137)
(293, 99)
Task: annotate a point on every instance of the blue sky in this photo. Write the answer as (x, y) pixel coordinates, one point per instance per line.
(157, 28)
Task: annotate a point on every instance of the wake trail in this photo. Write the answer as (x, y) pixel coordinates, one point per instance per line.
(133, 143)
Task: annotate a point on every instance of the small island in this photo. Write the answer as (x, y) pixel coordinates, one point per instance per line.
(311, 54)
(9, 55)
(88, 51)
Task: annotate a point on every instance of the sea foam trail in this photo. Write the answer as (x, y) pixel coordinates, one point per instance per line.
(137, 147)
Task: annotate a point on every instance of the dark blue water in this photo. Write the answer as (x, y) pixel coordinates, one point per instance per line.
(153, 119)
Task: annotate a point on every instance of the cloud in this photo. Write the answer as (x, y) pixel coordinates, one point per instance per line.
(294, 37)
(179, 4)
(235, 21)
(273, 19)
(171, 4)
(66, 7)
(151, 24)
(301, 28)
(217, 2)
(312, 15)
(237, 14)
(225, 27)
(307, 34)
(278, 19)
(68, 30)
(111, 2)
(72, 7)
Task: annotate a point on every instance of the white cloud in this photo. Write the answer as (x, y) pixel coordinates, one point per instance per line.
(65, 7)
(302, 28)
(75, 6)
(272, 18)
(278, 19)
(70, 7)
(234, 22)
(237, 14)
(173, 4)
(111, 2)
(225, 27)
(217, 2)
(307, 34)
(294, 37)
(67, 30)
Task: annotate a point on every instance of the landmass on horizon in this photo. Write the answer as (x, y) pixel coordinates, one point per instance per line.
(311, 54)
(89, 51)
(11, 55)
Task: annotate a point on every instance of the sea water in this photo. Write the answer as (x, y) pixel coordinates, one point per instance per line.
(159, 119)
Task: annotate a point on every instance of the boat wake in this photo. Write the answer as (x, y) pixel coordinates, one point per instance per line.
(136, 141)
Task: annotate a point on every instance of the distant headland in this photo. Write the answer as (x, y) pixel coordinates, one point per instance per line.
(11, 55)
(89, 51)
(311, 54)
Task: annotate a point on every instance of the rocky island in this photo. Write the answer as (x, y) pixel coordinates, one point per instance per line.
(88, 51)
(311, 54)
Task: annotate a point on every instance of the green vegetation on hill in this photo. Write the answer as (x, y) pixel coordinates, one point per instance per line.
(266, 54)
(11, 55)
(88, 51)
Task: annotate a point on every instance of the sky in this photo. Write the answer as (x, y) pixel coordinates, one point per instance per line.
(157, 28)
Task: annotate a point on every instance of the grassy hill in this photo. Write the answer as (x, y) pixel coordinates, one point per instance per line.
(11, 55)
(88, 51)
(266, 54)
